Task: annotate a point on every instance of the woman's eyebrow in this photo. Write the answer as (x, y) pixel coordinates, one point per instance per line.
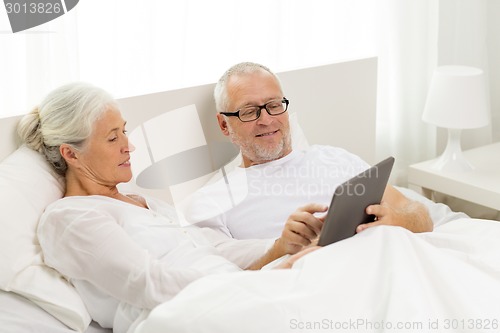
(116, 128)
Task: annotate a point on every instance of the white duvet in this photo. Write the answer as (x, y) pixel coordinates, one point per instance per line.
(383, 279)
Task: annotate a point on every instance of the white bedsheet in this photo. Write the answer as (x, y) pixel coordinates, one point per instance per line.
(384, 279)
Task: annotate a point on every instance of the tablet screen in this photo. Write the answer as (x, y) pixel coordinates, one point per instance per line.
(350, 199)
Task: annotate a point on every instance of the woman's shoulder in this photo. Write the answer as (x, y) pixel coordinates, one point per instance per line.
(72, 202)
(70, 207)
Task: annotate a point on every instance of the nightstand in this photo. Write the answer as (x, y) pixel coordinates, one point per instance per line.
(480, 186)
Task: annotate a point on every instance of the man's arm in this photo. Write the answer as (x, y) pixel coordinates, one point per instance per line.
(303, 227)
(396, 209)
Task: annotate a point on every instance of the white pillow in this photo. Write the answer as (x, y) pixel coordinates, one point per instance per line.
(28, 185)
(299, 140)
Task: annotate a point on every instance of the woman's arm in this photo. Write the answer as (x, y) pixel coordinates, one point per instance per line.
(89, 245)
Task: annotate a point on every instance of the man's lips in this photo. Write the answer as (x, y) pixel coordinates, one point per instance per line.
(267, 133)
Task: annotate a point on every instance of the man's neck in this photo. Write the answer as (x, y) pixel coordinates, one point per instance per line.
(247, 162)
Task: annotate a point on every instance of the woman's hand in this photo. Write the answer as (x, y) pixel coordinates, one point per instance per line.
(288, 263)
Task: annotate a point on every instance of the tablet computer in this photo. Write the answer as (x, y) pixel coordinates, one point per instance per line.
(349, 202)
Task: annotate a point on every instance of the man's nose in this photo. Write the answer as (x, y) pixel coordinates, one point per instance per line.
(265, 118)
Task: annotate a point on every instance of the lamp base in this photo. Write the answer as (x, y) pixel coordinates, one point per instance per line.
(452, 159)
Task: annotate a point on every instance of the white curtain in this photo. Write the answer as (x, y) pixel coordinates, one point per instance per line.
(407, 51)
(132, 47)
(414, 37)
(159, 45)
(35, 61)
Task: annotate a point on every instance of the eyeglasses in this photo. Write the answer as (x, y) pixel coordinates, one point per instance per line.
(251, 113)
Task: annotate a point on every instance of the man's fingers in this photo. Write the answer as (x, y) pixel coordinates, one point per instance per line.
(308, 220)
(313, 208)
(365, 226)
(378, 210)
(295, 238)
(303, 229)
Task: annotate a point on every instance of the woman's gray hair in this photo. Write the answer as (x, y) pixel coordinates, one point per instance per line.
(220, 92)
(66, 115)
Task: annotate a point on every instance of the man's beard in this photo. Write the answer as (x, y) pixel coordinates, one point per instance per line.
(259, 153)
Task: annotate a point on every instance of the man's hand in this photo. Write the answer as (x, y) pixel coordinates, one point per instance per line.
(396, 209)
(302, 228)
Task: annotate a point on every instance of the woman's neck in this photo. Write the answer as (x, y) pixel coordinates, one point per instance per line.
(82, 186)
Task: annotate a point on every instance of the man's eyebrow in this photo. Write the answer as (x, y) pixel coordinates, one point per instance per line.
(274, 99)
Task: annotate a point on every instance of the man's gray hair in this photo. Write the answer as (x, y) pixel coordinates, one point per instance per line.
(220, 92)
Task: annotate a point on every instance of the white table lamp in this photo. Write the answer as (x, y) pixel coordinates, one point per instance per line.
(457, 99)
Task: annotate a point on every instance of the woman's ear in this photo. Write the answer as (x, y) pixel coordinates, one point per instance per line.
(68, 153)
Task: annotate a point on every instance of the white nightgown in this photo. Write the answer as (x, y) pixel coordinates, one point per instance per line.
(124, 260)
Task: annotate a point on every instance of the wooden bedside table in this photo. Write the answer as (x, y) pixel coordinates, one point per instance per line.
(480, 186)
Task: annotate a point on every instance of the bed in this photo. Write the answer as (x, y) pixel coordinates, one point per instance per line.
(383, 279)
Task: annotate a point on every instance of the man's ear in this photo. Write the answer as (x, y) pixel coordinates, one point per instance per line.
(68, 153)
(223, 124)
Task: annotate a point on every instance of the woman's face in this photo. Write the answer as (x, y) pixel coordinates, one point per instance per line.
(105, 158)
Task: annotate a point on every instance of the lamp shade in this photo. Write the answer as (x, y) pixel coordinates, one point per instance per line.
(457, 98)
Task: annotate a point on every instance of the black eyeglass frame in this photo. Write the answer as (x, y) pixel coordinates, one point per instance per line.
(237, 113)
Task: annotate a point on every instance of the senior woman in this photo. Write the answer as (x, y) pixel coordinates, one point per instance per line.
(124, 253)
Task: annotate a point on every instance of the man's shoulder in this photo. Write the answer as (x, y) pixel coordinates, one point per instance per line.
(329, 150)
(334, 155)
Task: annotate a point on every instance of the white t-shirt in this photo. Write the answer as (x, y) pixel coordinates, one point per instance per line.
(255, 202)
(124, 260)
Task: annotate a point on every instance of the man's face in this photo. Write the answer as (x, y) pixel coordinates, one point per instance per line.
(264, 139)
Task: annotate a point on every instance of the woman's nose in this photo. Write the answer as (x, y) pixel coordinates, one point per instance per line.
(130, 147)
